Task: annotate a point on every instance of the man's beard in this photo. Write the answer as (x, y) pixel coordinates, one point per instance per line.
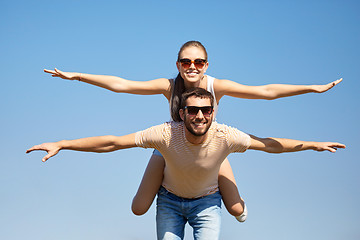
(191, 130)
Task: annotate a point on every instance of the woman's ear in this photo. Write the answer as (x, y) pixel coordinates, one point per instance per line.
(206, 66)
(178, 65)
(181, 113)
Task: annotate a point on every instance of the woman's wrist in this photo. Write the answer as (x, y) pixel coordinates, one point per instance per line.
(315, 88)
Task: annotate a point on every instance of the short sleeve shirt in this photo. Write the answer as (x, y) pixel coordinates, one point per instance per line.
(191, 170)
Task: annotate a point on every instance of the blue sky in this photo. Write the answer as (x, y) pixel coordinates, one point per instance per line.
(307, 195)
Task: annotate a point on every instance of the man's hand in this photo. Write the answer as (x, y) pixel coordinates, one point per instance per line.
(326, 87)
(51, 148)
(328, 146)
(63, 75)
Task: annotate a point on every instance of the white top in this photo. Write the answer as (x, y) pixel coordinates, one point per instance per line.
(210, 88)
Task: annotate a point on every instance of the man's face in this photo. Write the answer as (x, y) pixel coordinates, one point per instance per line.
(197, 122)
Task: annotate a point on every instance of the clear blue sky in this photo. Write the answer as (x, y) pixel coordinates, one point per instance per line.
(307, 195)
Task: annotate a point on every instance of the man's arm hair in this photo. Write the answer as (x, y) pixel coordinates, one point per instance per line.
(281, 145)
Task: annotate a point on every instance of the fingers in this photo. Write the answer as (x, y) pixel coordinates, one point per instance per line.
(334, 83)
(340, 145)
(47, 157)
(49, 71)
(326, 87)
(51, 151)
(332, 147)
(34, 148)
(55, 73)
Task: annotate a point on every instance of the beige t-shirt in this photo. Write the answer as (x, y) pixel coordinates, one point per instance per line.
(191, 170)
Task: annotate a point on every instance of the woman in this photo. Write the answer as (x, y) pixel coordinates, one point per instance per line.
(192, 64)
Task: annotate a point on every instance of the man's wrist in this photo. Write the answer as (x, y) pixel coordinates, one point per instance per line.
(62, 144)
(311, 146)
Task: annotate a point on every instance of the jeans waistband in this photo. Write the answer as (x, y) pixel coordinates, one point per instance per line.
(164, 191)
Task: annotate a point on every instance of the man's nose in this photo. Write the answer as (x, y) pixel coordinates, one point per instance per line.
(199, 114)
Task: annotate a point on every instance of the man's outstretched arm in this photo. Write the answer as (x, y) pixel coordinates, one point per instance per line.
(91, 144)
(280, 145)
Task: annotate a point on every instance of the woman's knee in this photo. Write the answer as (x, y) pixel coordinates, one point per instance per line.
(236, 210)
(138, 211)
(138, 208)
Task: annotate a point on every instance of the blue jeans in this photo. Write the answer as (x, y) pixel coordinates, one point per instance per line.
(203, 215)
(157, 153)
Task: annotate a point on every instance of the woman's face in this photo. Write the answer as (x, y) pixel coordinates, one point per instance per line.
(192, 74)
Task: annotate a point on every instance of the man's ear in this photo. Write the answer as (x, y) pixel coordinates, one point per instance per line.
(181, 113)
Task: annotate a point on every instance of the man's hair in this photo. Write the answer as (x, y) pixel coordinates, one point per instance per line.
(196, 92)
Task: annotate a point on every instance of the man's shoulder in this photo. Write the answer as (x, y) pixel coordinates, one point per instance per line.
(168, 127)
(223, 130)
(220, 127)
(155, 134)
(237, 140)
(168, 124)
(173, 124)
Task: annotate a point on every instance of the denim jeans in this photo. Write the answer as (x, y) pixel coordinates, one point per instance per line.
(203, 215)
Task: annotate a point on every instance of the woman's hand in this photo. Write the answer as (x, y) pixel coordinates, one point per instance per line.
(64, 75)
(326, 87)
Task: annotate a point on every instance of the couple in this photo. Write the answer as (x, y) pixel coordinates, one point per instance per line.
(192, 64)
(194, 150)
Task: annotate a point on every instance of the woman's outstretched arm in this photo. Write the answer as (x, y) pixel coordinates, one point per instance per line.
(269, 92)
(117, 84)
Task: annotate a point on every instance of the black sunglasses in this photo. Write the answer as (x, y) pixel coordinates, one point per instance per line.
(193, 111)
(198, 63)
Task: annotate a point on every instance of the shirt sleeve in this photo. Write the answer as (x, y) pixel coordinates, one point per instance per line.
(238, 141)
(152, 137)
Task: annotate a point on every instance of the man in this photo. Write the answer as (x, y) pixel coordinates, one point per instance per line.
(193, 150)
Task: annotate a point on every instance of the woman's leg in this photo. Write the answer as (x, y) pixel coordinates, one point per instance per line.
(229, 191)
(149, 185)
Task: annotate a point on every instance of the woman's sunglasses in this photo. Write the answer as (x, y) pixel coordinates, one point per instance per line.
(193, 111)
(198, 63)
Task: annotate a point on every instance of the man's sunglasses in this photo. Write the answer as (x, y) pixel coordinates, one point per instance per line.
(193, 111)
(198, 63)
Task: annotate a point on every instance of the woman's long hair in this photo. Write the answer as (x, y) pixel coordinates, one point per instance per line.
(175, 100)
(179, 85)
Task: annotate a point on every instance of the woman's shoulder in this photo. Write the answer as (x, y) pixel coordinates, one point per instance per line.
(221, 85)
(215, 81)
